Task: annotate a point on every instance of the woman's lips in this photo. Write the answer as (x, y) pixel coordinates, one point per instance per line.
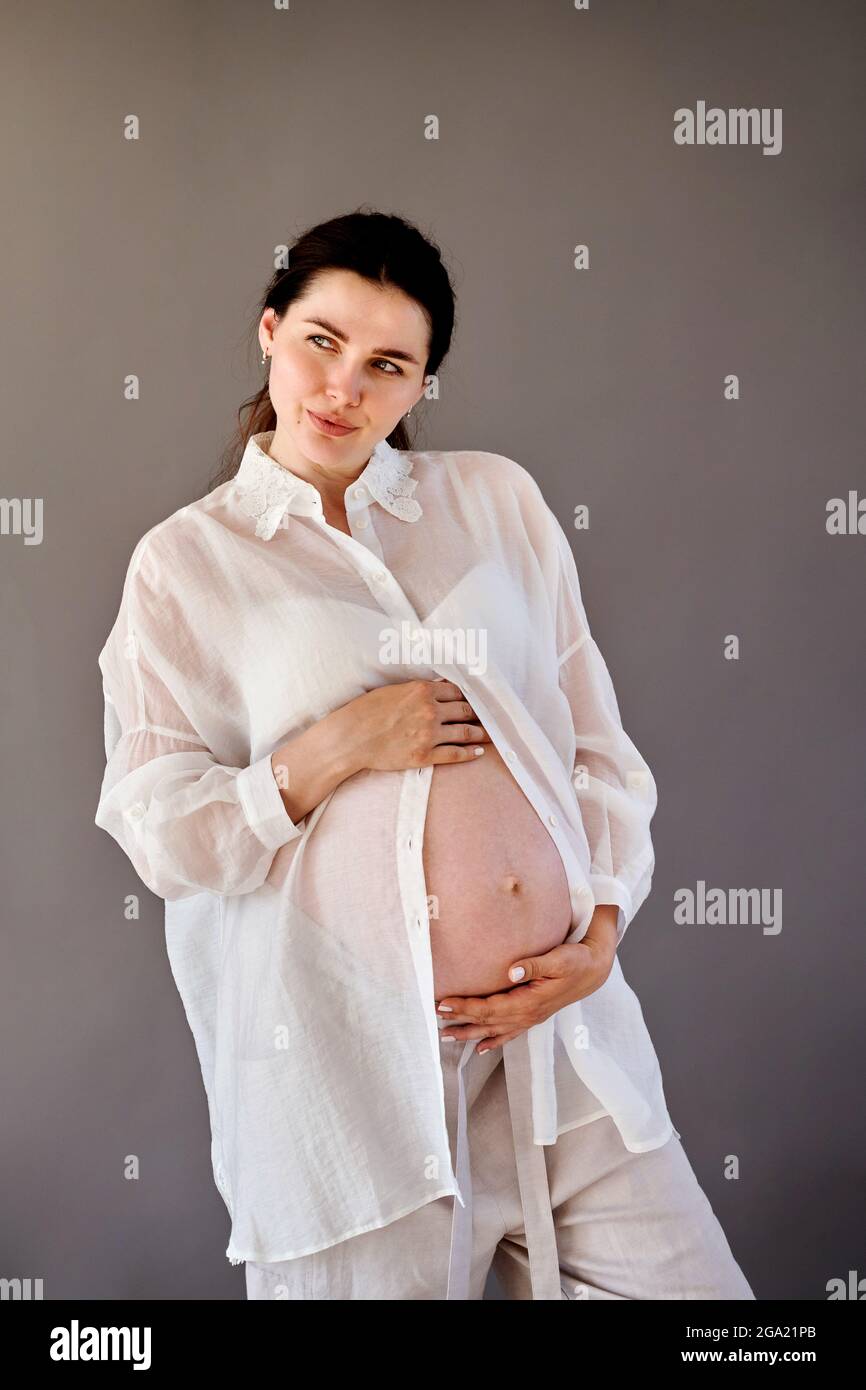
(327, 427)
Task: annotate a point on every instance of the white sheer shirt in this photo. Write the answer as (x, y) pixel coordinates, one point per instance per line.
(302, 951)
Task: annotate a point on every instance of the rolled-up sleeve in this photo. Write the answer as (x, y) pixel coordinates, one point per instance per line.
(187, 822)
(614, 786)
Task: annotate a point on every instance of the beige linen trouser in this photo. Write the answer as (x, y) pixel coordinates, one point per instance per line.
(618, 1224)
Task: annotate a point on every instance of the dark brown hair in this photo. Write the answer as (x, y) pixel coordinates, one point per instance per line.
(386, 250)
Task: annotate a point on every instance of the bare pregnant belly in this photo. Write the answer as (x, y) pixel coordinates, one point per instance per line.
(494, 877)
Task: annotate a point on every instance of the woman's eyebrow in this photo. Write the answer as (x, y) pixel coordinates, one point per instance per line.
(380, 351)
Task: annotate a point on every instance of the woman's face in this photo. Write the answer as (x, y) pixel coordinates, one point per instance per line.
(349, 350)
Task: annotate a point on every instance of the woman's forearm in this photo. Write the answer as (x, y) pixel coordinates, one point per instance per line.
(602, 926)
(311, 765)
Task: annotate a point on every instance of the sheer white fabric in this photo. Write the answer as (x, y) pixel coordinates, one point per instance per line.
(301, 952)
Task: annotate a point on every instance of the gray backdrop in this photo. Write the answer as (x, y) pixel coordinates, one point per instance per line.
(708, 517)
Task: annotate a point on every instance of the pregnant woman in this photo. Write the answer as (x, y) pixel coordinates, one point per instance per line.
(361, 740)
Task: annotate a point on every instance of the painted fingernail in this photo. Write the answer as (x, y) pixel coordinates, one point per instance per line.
(483, 1049)
(445, 1009)
(517, 973)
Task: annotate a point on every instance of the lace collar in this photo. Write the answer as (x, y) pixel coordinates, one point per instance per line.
(267, 490)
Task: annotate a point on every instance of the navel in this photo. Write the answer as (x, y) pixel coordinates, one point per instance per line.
(511, 883)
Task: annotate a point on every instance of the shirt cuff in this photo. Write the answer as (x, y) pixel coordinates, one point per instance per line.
(263, 805)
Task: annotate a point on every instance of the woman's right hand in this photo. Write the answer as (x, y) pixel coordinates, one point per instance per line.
(412, 724)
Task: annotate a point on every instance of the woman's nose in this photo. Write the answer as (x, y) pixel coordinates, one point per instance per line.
(345, 386)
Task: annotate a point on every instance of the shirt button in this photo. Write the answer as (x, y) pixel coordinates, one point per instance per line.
(379, 575)
(361, 521)
(359, 492)
(552, 820)
(511, 755)
(137, 811)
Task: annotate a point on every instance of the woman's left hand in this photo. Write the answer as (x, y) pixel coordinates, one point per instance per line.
(559, 977)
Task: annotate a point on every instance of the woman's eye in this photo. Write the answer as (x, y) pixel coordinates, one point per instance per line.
(320, 338)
